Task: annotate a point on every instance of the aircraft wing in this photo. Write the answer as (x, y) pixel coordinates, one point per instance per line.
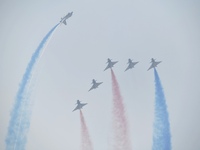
(91, 88)
(115, 62)
(106, 68)
(152, 66)
(83, 104)
(65, 22)
(127, 68)
(76, 108)
(99, 83)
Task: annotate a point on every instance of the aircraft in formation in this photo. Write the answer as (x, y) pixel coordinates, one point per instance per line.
(154, 63)
(63, 20)
(95, 84)
(79, 105)
(131, 65)
(110, 63)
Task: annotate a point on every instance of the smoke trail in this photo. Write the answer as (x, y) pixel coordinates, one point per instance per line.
(161, 135)
(20, 115)
(120, 125)
(85, 138)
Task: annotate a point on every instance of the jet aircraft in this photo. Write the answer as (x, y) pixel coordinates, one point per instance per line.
(63, 20)
(79, 105)
(154, 63)
(131, 64)
(110, 64)
(95, 84)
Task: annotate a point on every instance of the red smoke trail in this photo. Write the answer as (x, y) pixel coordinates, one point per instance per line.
(120, 125)
(86, 142)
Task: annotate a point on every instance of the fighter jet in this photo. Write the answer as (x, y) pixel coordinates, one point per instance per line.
(63, 20)
(131, 64)
(79, 105)
(110, 64)
(154, 63)
(95, 84)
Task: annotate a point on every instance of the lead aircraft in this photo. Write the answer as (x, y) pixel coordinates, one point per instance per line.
(95, 84)
(63, 20)
(131, 64)
(110, 63)
(154, 63)
(79, 105)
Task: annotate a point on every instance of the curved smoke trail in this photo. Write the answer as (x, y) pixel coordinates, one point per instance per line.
(120, 125)
(20, 115)
(85, 138)
(161, 135)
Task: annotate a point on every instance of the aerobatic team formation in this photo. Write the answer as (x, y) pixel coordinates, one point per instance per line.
(111, 64)
(19, 124)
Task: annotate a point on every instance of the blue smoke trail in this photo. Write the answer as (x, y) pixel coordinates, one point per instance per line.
(161, 135)
(20, 115)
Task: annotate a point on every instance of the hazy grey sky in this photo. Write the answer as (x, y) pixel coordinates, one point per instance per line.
(168, 31)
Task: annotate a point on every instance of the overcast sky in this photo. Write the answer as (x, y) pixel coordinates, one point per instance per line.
(166, 30)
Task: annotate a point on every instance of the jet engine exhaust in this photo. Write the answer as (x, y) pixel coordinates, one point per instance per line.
(85, 137)
(161, 131)
(21, 112)
(120, 124)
